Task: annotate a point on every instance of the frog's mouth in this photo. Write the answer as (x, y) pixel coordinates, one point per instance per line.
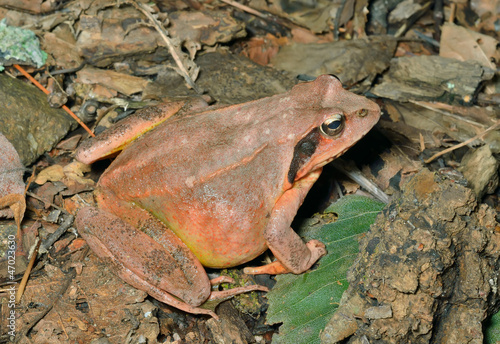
(306, 164)
(329, 160)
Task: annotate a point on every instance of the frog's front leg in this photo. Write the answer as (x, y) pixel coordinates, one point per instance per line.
(292, 254)
(149, 256)
(113, 140)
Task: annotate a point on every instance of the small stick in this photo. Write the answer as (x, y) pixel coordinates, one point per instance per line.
(22, 285)
(31, 194)
(52, 238)
(447, 150)
(245, 8)
(37, 84)
(170, 45)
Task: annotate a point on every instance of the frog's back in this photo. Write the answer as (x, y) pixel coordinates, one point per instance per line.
(211, 178)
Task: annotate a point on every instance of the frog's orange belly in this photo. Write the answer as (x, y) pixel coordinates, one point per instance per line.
(222, 247)
(224, 252)
(220, 234)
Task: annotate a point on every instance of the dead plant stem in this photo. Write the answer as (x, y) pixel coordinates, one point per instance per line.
(478, 136)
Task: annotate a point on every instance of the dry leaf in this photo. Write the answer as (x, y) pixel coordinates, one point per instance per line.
(53, 173)
(75, 171)
(463, 44)
(123, 83)
(262, 49)
(11, 182)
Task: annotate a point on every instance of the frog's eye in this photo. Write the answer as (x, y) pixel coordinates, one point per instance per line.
(333, 125)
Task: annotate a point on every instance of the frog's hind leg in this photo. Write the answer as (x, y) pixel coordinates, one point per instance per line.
(142, 250)
(149, 256)
(163, 261)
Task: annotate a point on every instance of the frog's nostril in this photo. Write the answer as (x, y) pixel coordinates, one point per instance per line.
(362, 112)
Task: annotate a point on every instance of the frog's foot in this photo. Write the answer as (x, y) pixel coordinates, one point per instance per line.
(227, 294)
(317, 249)
(275, 268)
(286, 245)
(221, 279)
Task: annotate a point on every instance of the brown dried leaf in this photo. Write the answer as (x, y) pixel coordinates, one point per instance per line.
(65, 53)
(463, 44)
(207, 27)
(261, 49)
(11, 182)
(53, 173)
(17, 204)
(123, 83)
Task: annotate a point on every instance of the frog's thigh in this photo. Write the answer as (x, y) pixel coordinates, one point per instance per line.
(158, 263)
(286, 245)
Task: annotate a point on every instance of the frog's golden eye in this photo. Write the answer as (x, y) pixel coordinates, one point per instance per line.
(333, 125)
(362, 112)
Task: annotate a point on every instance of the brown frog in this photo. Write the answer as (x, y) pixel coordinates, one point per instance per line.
(216, 186)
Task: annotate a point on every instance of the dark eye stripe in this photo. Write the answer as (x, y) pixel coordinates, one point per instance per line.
(303, 151)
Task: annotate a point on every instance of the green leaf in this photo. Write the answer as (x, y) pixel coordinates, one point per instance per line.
(492, 329)
(304, 303)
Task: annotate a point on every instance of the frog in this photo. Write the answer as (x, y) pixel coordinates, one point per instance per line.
(194, 186)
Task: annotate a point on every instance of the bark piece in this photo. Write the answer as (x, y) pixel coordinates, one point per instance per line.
(123, 83)
(480, 168)
(230, 79)
(33, 6)
(207, 27)
(432, 78)
(120, 32)
(345, 59)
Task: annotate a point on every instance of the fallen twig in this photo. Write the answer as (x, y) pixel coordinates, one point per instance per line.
(52, 238)
(245, 8)
(171, 47)
(22, 285)
(447, 150)
(44, 90)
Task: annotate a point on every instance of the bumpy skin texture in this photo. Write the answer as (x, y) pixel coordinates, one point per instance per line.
(228, 181)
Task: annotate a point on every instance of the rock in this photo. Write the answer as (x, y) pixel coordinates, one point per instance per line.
(432, 78)
(431, 258)
(27, 120)
(480, 168)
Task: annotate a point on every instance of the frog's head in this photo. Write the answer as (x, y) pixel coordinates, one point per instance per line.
(337, 119)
